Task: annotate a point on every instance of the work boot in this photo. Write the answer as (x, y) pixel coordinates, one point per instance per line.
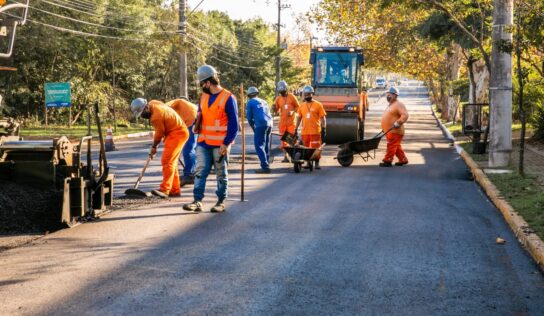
(195, 206)
(286, 158)
(159, 193)
(186, 181)
(317, 166)
(267, 170)
(386, 164)
(401, 163)
(219, 207)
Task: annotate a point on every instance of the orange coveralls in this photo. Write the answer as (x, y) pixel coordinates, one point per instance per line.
(396, 112)
(169, 125)
(185, 109)
(286, 105)
(311, 114)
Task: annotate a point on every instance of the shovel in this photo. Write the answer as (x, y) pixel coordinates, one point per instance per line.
(134, 191)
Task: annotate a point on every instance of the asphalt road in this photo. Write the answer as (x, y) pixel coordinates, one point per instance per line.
(413, 240)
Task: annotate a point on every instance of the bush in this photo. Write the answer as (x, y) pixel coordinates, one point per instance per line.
(538, 123)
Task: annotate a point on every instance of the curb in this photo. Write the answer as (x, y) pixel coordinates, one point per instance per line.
(133, 135)
(527, 238)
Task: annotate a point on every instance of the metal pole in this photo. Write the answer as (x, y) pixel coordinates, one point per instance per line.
(500, 85)
(242, 174)
(278, 43)
(183, 53)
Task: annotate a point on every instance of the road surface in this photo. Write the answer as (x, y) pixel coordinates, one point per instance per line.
(412, 240)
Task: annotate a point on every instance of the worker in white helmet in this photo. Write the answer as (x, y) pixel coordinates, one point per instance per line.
(312, 115)
(260, 120)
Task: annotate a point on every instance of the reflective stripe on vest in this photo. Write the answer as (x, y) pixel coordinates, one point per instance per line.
(214, 119)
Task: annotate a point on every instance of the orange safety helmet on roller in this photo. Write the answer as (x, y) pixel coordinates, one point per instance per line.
(214, 119)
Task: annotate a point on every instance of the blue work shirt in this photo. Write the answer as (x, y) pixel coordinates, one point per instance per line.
(231, 109)
(258, 113)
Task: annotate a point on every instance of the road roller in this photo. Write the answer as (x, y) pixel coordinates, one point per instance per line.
(336, 78)
(59, 172)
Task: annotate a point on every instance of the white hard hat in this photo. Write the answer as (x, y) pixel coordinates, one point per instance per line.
(205, 72)
(137, 106)
(308, 89)
(252, 90)
(282, 86)
(393, 90)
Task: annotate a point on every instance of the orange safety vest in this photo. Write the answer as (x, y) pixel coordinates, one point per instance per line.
(214, 119)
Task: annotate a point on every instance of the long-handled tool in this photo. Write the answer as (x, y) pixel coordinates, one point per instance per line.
(134, 191)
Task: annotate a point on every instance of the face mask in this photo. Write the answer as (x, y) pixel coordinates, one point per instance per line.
(206, 90)
(308, 99)
(146, 114)
(389, 98)
(283, 93)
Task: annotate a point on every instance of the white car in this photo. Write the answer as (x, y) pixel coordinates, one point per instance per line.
(380, 83)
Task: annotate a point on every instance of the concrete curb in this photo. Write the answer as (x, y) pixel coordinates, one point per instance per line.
(133, 135)
(528, 239)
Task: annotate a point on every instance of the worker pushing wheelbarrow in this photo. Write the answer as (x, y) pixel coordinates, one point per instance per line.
(299, 154)
(365, 148)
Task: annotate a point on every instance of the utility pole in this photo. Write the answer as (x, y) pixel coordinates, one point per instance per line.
(500, 85)
(278, 42)
(183, 53)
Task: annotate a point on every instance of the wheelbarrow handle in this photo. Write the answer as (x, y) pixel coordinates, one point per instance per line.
(382, 133)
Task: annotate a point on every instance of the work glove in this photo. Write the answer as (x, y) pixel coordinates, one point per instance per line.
(323, 133)
(396, 125)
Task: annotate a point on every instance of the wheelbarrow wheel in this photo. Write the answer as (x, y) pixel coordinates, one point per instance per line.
(345, 157)
(298, 167)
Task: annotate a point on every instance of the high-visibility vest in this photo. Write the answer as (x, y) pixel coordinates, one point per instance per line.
(214, 119)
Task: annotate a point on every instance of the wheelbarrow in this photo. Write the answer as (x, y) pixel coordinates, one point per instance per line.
(301, 154)
(366, 149)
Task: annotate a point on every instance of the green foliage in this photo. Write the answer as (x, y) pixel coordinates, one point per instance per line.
(137, 47)
(461, 88)
(538, 123)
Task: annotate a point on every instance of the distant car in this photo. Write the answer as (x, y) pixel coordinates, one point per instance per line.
(391, 83)
(380, 83)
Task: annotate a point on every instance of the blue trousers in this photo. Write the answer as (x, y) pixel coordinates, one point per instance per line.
(262, 144)
(189, 155)
(205, 158)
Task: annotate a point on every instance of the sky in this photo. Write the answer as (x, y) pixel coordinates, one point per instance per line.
(266, 9)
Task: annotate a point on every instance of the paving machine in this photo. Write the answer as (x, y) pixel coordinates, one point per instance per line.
(336, 79)
(60, 168)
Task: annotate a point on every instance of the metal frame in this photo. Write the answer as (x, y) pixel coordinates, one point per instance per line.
(480, 108)
(15, 24)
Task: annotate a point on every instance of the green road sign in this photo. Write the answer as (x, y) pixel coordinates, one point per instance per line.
(57, 94)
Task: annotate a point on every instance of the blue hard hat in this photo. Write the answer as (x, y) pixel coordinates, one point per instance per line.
(137, 106)
(393, 90)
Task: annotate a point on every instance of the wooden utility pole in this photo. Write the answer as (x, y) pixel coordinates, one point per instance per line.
(500, 85)
(278, 43)
(183, 53)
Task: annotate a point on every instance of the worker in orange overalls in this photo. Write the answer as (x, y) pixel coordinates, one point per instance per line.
(394, 117)
(167, 125)
(363, 108)
(314, 123)
(187, 111)
(286, 106)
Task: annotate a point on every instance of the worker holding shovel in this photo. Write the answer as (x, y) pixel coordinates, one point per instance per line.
(170, 127)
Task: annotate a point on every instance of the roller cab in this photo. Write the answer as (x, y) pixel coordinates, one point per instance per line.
(336, 78)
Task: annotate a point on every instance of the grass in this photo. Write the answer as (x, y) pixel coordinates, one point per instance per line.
(525, 195)
(73, 132)
(467, 146)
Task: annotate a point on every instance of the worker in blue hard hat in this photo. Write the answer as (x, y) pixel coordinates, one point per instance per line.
(260, 120)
